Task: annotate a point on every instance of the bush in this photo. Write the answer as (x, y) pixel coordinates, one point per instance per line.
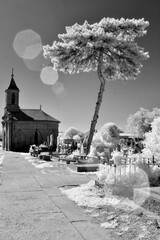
(122, 180)
(152, 171)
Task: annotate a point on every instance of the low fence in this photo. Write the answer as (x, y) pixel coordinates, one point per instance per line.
(122, 170)
(129, 166)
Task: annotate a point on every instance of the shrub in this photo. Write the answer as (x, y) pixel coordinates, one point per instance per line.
(122, 180)
(152, 140)
(152, 171)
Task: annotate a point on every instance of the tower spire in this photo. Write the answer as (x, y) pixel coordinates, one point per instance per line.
(13, 85)
(12, 96)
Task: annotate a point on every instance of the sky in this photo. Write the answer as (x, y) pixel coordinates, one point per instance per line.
(72, 99)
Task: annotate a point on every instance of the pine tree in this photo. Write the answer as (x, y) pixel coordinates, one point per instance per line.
(107, 47)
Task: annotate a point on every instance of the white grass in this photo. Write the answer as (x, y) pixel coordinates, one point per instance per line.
(88, 195)
(25, 154)
(42, 165)
(111, 224)
(1, 158)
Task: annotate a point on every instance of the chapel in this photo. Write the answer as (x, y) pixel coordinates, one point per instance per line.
(24, 127)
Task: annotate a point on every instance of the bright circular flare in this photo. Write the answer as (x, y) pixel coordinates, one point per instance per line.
(27, 44)
(62, 95)
(48, 75)
(37, 63)
(58, 88)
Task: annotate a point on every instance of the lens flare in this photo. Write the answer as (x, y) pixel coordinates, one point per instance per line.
(27, 44)
(37, 63)
(62, 95)
(48, 75)
(58, 87)
(59, 90)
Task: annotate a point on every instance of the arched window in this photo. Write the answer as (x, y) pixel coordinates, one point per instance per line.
(36, 137)
(13, 99)
(19, 140)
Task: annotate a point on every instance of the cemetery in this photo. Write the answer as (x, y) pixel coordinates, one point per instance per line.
(127, 164)
(110, 173)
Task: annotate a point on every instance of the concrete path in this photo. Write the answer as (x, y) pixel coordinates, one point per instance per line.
(32, 206)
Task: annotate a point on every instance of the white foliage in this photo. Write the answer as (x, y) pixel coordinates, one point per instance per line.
(102, 172)
(81, 45)
(77, 138)
(109, 132)
(93, 152)
(72, 132)
(117, 158)
(106, 137)
(1, 158)
(111, 224)
(122, 177)
(140, 122)
(86, 195)
(152, 139)
(97, 140)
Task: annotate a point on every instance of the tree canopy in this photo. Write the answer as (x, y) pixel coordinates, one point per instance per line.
(107, 136)
(81, 45)
(152, 140)
(71, 132)
(107, 47)
(140, 122)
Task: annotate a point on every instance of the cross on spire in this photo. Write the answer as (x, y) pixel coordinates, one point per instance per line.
(13, 85)
(12, 72)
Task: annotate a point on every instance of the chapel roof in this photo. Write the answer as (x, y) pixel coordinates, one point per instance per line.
(21, 116)
(38, 115)
(32, 115)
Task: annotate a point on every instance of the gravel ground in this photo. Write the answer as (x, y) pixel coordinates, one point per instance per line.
(123, 222)
(126, 224)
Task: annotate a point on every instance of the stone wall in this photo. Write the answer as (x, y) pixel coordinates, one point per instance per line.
(26, 133)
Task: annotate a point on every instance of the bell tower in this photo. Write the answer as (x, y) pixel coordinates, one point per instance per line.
(12, 96)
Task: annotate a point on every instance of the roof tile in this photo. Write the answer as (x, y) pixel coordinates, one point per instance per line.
(38, 114)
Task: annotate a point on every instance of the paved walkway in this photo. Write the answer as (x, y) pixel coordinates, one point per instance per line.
(32, 206)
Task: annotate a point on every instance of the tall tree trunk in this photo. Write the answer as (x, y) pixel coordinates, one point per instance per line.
(98, 103)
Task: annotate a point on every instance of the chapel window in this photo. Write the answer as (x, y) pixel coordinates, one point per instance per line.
(13, 99)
